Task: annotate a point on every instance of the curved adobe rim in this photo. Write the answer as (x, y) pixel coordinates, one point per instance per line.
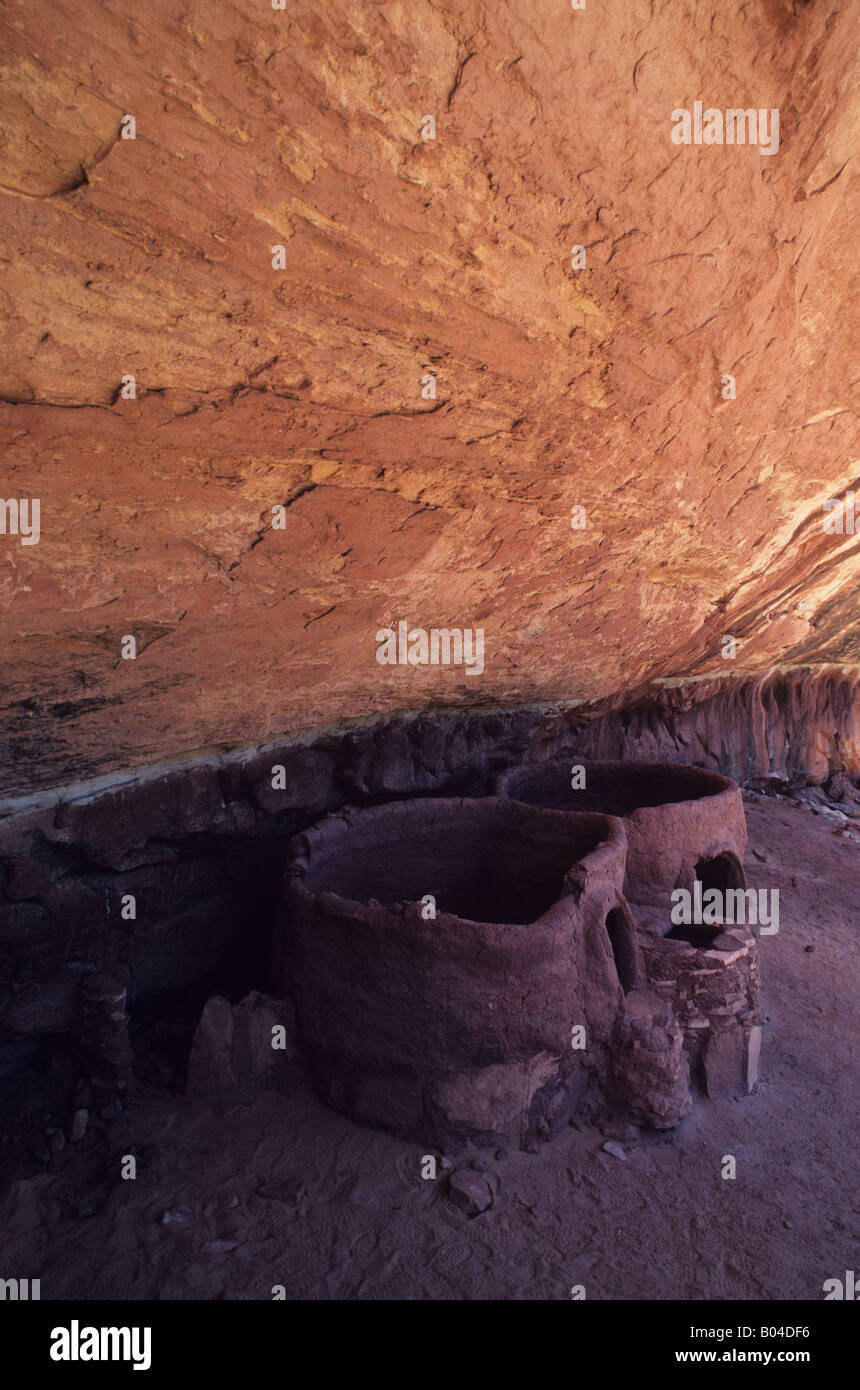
(712, 784)
(609, 848)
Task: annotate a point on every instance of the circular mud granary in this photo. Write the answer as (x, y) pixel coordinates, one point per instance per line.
(457, 1027)
(682, 823)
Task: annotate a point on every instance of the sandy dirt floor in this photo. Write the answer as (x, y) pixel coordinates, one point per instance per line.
(661, 1223)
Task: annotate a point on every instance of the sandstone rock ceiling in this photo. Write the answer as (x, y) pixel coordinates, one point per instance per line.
(557, 387)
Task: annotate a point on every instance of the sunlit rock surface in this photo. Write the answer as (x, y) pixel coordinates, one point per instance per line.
(556, 387)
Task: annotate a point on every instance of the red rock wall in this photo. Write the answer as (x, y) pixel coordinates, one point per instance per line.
(556, 386)
(788, 725)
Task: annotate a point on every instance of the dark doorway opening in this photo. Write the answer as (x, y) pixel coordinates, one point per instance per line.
(621, 937)
(698, 935)
(722, 872)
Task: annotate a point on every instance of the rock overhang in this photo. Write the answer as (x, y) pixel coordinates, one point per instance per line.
(301, 389)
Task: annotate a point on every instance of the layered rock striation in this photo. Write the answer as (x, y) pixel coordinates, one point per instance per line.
(376, 381)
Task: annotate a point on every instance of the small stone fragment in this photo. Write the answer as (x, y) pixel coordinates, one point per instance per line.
(727, 941)
(753, 1052)
(177, 1216)
(610, 1147)
(470, 1191)
(290, 1190)
(78, 1127)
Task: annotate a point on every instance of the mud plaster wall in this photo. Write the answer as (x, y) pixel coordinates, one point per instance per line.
(200, 845)
(713, 989)
(671, 822)
(451, 1026)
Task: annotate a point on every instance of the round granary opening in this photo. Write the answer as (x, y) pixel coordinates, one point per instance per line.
(720, 871)
(473, 858)
(613, 788)
(702, 937)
